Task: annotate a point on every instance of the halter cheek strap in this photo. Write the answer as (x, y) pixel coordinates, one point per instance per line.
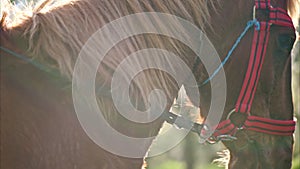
(276, 16)
(258, 52)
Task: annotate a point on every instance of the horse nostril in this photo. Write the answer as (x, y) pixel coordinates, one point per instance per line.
(268, 153)
(278, 158)
(284, 160)
(277, 154)
(284, 155)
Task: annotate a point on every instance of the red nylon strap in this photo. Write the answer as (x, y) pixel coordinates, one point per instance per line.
(277, 16)
(226, 127)
(259, 124)
(258, 51)
(270, 126)
(263, 4)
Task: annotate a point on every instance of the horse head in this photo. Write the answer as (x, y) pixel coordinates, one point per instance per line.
(55, 38)
(272, 100)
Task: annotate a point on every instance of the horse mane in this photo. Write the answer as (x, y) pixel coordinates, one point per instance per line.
(293, 7)
(69, 35)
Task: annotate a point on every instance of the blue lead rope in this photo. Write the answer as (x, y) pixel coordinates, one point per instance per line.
(28, 60)
(249, 25)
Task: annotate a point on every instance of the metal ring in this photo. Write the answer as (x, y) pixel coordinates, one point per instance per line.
(230, 113)
(254, 13)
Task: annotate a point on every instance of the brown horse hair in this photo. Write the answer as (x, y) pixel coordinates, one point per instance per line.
(68, 35)
(50, 18)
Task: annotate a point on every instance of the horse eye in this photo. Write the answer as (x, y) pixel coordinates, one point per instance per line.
(285, 42)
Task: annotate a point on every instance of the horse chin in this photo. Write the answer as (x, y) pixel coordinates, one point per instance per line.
(272, 153)
(239, 161)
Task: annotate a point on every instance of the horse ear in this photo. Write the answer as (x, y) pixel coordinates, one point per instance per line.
(40, 6)
(3, 18)
(293, 8)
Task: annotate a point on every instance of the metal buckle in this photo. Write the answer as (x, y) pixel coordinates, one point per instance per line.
(214, 139)
(265, 12)
(203, 139)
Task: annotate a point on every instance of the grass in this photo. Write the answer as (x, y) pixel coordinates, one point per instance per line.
(296, 162)
(180, 165)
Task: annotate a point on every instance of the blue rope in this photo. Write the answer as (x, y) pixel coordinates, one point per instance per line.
(28, 60)
(249, 25)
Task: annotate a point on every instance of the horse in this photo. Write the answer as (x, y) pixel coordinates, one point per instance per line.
(39, 52)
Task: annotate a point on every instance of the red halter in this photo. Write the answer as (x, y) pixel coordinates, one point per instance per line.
(277, 16)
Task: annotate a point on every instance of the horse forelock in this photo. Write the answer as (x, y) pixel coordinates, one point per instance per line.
(293, 8)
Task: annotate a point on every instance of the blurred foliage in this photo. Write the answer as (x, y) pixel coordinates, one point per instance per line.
(296, 162)
(171, 165)
(181, 165)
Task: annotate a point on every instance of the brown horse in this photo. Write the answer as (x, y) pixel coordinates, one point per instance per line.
(39, 126)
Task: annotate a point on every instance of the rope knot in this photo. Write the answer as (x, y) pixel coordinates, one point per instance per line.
(255, 23)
